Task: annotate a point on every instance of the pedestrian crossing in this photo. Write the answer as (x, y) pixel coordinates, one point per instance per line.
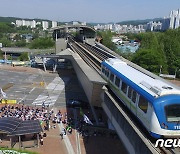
(52, 91)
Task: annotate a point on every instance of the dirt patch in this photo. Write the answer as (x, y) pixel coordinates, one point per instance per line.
(176, 82)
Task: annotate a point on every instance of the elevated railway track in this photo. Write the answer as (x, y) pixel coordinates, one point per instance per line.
(93, 56)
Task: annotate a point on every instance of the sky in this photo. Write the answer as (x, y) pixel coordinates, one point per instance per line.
(99, 11)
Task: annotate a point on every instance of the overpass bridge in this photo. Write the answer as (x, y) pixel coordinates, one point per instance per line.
(13, 50)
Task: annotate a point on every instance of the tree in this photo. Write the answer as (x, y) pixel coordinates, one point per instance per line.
(1, 54)
(21, 43)
(42, 43)
(24, 56)
(162, 49)
(149, 59)
(107, 39)
(5, 42)
(126, 54)
(6, 28)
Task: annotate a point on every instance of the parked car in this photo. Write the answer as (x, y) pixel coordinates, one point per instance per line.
(77, 103)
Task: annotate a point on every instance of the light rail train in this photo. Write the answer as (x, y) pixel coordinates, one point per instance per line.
(153, 101)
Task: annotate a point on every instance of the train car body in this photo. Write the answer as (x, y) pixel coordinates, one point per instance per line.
(154, 102)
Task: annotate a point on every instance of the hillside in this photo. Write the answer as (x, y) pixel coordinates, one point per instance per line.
(13, 19)
(138, 22)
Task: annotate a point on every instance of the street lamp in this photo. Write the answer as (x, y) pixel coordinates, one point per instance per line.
(160, 70)
(5, 59)
(56, 35)
(11, 59)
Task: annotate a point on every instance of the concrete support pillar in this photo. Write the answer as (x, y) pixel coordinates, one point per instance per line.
(20, 143)
(11, 144)
(44, 65)
(55, 66)
(38, 140)
(5, 57)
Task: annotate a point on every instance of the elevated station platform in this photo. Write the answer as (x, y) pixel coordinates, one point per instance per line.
(90, 80)
(82, 33)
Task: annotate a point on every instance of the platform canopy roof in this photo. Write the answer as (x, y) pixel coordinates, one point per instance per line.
(16, 127)
(73, 26)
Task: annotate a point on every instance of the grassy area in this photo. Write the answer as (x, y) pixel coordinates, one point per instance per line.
(15, 151)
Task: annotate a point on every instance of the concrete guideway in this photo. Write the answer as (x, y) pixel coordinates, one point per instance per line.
(133, 139)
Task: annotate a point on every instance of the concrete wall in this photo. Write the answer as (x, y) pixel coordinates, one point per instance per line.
(61, 44)
(92, 89)
(132, 138)
(90, 41)
(96, 95)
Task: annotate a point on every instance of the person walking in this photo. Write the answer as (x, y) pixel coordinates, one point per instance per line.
(61, 134)
(41, 141)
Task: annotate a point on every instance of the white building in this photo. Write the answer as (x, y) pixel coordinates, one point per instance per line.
(117, 40)
(83, 23)
(172, 16)
(18, 23)
(75, 23)
(154, 26)
(33, 24)
(38, 23)
(121, 28)
(173, 21)
(177, 21)
(54, 24)
(27, 23)
(45, 25)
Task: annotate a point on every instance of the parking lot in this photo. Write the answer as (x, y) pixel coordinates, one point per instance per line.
(38, 87)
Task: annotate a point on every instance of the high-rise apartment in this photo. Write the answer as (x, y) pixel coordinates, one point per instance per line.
(45, 25)
(54, 24)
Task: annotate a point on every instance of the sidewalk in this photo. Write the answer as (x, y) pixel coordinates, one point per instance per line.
(65, 137)
(93, 144)
(52, 144)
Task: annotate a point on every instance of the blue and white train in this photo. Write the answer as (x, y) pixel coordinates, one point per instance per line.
(153, 101)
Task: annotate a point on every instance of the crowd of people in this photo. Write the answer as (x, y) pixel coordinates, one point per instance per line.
(64, 119)
(37, 113)
(25, 112)
(43, 114)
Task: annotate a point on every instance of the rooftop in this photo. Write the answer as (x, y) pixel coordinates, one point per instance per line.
(14, 126)
(153, 86)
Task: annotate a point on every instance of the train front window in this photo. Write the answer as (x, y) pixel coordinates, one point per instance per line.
(103, 70)
(173, 113)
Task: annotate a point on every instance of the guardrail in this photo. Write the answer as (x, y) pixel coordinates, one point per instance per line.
(167, 76)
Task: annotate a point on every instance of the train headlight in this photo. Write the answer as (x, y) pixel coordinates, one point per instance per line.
(166, 127)
(163, 125)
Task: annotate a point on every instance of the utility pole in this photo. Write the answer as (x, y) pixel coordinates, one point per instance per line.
(55, 43)
(5, 57)
(11, 59)
(160, 70)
